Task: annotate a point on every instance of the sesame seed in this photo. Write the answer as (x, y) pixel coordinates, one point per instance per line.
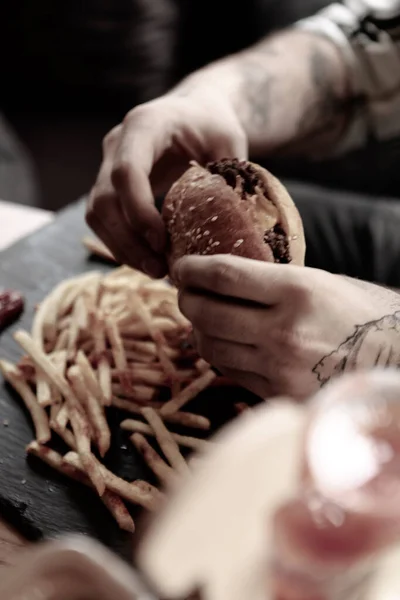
(214, 219)
(191, 208)
(238, 243)
(206, 232)
(216, 243)
(210, 199)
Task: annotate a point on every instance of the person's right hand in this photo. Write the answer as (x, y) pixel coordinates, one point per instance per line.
(143, 156)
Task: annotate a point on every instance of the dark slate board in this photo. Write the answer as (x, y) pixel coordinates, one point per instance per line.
(37, 501)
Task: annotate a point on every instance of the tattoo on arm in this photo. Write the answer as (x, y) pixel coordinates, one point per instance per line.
(313, 94)
(325, 115)
(374, 344)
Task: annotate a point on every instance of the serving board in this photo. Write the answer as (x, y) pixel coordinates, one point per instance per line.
(33, 498)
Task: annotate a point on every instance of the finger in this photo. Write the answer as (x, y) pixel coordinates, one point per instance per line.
(222, 319)
(127, 249)
(229, 146)
(260, 386)
(105, 216)
(233, 276)
(222, 354)
(103, 185)
(141, 144)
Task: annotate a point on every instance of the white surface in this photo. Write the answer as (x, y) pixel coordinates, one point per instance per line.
(17, 221)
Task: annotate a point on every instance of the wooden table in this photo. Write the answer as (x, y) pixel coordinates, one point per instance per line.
(16, 221)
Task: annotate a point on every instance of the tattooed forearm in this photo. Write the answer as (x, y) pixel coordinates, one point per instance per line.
(373, 344)
(290, 92)
(294, 94)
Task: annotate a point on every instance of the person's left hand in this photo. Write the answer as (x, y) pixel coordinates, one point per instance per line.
(281, 329)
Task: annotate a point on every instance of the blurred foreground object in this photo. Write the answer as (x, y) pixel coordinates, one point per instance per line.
(71, 569)
(292, 504)
(330, 540)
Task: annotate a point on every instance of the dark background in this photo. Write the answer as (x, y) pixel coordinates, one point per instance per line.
(69, 71)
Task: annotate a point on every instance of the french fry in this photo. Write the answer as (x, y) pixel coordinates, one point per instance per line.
(62, 341)
(45, 320)
(112, 501)
(43, 391)
(188, 393)
(148, 348)
(77, 417)
(97, 248)
(184, 419)
(39, 417)
(148, 375)
(117, 346)
(90, 377)
(159, 339)
(83, 284)
(138, 393)
(79, 322)
(136, 357)
(62, 417)
(55, 461)
(201, 365)
(117, 339)
(161, 470)
(94, 411)
(181, 440)
(140, 375)
(119, 511)
(54, 410)
(171, 310)
(127, 272)
(165, 440)
(59, 360)
(139, 330)
(103, 366)
(66, 435)
(144, 495)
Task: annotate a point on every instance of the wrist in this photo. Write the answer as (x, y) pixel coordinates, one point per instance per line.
(218, 82)
(280, 103)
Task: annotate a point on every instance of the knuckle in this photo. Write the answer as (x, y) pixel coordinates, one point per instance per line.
(120, 173)
(138, 113)
(110, 137)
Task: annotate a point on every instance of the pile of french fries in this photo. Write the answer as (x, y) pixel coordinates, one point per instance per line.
(111, 340)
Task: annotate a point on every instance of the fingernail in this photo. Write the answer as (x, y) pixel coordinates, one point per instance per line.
(152, 267)
(154, 240)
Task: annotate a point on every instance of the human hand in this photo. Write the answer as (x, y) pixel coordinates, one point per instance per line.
(281, 329)
(143, 156)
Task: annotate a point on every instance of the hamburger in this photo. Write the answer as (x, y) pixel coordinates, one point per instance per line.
(233, 207)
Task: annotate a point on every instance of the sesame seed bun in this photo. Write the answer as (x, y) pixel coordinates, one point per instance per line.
(233, 207)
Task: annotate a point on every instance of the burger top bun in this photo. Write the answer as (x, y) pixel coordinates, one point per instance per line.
(233, 207)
